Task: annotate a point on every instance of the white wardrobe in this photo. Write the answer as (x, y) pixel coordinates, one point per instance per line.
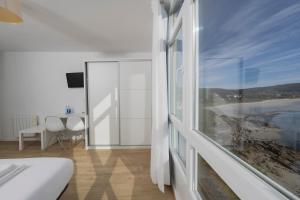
(118, 96)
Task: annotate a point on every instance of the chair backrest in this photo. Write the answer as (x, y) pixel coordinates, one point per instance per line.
(75, 123)
(54, 124)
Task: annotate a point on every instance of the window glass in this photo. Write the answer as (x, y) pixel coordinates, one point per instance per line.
(248, 90)
(177, 76)
(174, 137)
(210, 186)
(178, 144)
(182, 148)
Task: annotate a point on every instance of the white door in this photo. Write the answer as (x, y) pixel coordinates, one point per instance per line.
(135, 102)
(103, 102)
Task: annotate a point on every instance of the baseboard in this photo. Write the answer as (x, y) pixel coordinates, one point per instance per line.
(16, 139)
(117, 147)
(8, 139)
(87, 147)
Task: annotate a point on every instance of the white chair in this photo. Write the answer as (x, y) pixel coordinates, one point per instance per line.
(55, 125)
(75, 124)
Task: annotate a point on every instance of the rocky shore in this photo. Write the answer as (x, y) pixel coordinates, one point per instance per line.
(249, 132)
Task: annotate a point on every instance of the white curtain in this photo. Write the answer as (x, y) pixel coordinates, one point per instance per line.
(160, 171)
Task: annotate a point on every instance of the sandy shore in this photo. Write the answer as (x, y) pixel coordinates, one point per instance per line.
(239, 110)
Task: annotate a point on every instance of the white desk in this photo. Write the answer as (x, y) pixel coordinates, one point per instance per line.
(65, 116)
(41, 130)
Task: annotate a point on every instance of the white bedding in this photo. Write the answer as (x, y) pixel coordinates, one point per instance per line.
(9, 172)
(44, 179)
(6, 168)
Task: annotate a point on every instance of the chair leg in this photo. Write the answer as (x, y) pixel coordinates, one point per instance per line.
(50, 139)
(72, 142)
(77, 139)
(82, 136)
(71, 139)
(59, 139)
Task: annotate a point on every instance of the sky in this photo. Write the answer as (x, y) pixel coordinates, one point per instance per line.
(249, 43)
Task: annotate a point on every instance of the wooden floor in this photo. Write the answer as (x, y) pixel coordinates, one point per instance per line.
(99, 174)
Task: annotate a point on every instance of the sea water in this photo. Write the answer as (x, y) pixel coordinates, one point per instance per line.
(289, 123)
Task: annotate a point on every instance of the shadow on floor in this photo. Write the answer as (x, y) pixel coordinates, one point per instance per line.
(99, 174)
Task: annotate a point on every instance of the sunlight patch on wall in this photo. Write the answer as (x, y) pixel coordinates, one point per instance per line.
(102, 107)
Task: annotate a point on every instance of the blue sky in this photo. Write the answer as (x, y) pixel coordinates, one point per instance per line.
(258, 40)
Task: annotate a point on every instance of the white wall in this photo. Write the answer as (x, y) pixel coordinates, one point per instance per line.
(35, 83)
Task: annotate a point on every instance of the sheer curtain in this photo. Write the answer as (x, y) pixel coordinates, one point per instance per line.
(160, 172)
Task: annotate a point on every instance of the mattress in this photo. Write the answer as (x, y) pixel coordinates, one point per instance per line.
(43, 179)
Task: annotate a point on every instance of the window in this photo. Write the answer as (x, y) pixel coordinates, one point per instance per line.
(248, 84)
(182, 148)
(210, 185)
(178, 144)
(174, 137)
(177, 76)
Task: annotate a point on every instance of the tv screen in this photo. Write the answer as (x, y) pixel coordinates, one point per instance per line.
(75, 80)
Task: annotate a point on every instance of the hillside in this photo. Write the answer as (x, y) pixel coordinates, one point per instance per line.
(290, 91)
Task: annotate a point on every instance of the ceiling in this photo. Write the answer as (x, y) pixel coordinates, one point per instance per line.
(111, 26)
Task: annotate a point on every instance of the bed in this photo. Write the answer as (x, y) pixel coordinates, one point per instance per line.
(43, 179)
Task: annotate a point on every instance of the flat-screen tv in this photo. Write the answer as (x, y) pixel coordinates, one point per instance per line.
(75, 80)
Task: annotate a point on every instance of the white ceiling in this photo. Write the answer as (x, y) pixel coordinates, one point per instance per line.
(112, 26)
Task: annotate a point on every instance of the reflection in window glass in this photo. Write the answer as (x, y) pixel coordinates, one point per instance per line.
(249, 83)
(178, 144)
(210, 185)
(177, 76)
(174, 137)
(182, 148)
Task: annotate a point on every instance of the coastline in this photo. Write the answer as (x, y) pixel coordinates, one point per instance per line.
(250, 131)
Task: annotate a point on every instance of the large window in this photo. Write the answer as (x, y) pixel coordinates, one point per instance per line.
(182, 148)
(176, 85)
(178, 143)
(248, 83)
(177, 75)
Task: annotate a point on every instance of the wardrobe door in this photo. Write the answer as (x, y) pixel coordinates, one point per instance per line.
(135, 103)
(103, 101)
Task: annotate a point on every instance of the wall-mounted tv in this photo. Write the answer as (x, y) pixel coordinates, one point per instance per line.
(75, 80)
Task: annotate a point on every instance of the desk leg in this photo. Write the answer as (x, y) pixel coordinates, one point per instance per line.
(21, 142)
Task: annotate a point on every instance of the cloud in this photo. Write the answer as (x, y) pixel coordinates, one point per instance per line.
(261, 34)
(241, 35)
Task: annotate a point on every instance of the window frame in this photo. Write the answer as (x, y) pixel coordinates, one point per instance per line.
(231, 163)
(245, 183)
(175, 26)
(172, 86)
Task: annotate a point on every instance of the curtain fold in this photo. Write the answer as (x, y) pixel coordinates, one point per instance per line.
(175, 6)
(160, 169)
(172, 6)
